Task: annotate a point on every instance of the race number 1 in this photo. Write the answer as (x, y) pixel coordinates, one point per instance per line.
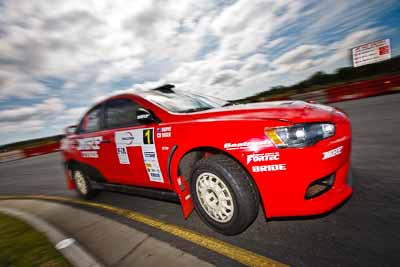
(148, 137)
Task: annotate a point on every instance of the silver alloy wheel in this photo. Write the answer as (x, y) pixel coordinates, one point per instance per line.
(80, 182)
(214, 197)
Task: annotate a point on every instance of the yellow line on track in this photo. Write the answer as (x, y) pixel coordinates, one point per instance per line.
(238, 254)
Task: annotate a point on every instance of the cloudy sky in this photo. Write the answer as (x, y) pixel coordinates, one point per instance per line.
(58, 57)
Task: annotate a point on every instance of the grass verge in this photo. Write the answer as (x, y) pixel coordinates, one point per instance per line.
(21, 246)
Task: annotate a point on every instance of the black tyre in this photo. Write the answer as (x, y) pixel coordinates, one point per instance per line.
(83, 186)
(224, 195)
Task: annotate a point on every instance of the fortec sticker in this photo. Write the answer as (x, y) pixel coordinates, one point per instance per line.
(248, 145)
(332, 153)
(266, 157)
(262, 157)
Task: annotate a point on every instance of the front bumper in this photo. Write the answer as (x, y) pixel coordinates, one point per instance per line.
(298, 205)
(284, 191)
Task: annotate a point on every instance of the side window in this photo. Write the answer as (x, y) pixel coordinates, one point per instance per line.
(121, 113)
(92, 121)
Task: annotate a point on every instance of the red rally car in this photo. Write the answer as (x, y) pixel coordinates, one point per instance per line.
(225, 160)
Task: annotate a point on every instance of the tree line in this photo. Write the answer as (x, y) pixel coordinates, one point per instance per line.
(320, 80)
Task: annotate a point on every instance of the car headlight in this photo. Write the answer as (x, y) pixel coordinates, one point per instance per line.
(300, 135)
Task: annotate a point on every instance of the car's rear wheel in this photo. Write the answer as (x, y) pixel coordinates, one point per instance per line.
(83, 185)
(224, 194)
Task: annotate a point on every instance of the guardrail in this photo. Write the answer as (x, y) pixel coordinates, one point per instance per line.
(43, 149)
(378, 86)
(29, 152)
(12, 155)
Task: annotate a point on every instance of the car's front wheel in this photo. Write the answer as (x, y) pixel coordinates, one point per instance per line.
(83, 185)
(224, 194)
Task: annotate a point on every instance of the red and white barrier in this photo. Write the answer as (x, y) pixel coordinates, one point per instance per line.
(378, 86)
(43, 149)
(29, 152)
(12, 155)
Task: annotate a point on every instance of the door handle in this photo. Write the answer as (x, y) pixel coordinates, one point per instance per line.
(105, 141)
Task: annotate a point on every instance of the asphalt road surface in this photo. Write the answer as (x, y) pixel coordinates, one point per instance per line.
(364, 231)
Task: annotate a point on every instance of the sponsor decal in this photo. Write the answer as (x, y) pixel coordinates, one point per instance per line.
(143, 116)
(90, 143)
(332, 153)
(151, 161)
(149, 168)
(149, 154)
(127, 138)
(248, 145)
(143, 138)
(89, 146)
(164, 132)
(269, 168)
(262, 157)
(148, 137)
(123, 155)
(90, 154)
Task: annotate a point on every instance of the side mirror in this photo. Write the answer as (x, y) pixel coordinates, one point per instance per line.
(144, 116)
(71, 129)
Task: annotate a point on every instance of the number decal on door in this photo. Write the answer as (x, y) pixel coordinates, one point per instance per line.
(143, 138)
(148, 137)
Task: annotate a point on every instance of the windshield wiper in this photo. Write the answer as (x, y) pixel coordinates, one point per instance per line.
(195, 109)
(229, 104)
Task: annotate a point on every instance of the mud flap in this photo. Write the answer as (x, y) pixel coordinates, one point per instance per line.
(181, 187)
(70, 181)
(184, 196)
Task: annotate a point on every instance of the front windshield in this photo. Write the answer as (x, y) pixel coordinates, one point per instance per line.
(182, 102)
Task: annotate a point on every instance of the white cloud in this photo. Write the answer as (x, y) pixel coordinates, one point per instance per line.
(45, 118)
(299, 53)
(91, 44)
(119, 68)
(72, 115)
(226, 77)
(106, 42)
(275, 43)
(28, 126)
(19, 86)
(343, 17)
(87, 50)
(244, 27)
(48, 108)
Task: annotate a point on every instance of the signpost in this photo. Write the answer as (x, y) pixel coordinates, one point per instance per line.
(371, 52)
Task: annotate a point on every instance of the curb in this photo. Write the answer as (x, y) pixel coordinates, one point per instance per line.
(109, 242)
(74, 253)
(235, 253)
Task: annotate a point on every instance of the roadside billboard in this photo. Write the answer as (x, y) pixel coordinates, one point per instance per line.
(371, 52)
